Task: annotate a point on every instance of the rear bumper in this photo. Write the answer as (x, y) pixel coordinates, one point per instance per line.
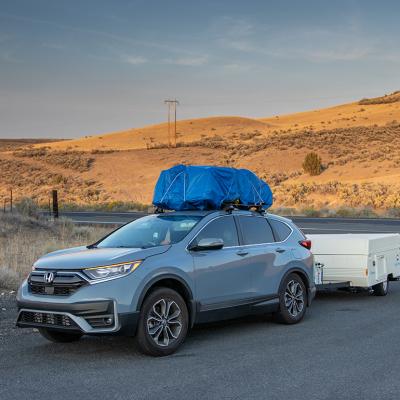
(312, 291)
(92, 317)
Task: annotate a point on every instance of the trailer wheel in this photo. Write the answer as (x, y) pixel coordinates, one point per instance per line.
(381, 289)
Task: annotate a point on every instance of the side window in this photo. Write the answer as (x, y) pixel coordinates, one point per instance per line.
(256, 230)
(281, 230)
(221, 228)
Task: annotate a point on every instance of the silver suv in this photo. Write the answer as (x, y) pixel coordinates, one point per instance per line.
(159, 275)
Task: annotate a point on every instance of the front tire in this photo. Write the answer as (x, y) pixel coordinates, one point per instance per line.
(58, 336)
(381, 289)
(163, 323)
(292, 300)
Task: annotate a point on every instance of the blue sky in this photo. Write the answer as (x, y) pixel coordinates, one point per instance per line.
(73, 68)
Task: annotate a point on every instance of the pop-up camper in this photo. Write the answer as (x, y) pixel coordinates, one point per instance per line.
(357, 260)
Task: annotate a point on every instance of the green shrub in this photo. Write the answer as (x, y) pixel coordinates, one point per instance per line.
(312, 164)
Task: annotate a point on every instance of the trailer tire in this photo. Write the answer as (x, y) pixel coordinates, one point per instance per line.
(381, 289)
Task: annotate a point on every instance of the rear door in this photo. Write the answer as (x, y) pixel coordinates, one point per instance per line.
(222, 277)
(265, 258)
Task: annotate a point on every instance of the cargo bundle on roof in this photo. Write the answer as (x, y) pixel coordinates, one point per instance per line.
(210, 188)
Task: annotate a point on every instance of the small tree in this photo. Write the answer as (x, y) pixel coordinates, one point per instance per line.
(312, 164)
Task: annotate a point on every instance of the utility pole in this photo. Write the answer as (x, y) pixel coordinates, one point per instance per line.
(171, 105)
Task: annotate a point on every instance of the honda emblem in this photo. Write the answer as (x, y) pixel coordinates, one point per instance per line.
(48, 277)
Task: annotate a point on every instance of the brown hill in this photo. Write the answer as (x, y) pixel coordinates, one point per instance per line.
(157, 135)
(361, 163)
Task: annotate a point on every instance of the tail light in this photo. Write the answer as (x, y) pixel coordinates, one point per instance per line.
(306, 244)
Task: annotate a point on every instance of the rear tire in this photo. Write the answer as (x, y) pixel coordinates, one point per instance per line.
(381, 289)
(292, 300)
(58, 336)
(163, 323)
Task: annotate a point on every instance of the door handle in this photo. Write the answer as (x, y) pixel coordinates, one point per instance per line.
(280, 250)
(242, 253)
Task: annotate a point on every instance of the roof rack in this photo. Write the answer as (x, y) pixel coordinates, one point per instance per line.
(229, 207)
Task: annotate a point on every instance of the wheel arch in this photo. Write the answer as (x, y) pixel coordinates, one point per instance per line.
(173, 282)
(303, 276)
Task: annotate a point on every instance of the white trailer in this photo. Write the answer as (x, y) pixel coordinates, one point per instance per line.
(367, 261)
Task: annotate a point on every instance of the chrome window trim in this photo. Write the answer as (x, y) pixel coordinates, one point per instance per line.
(285, 223)
(246, 245)
(269, 243)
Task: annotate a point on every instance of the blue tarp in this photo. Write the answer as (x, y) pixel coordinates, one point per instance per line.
(207, 188)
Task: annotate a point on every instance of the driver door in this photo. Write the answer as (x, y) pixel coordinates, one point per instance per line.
(223, 278)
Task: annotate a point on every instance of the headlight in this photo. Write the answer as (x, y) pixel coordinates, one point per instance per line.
(112, 271)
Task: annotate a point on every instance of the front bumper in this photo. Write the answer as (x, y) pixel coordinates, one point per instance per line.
(97, 317)
(84, 310)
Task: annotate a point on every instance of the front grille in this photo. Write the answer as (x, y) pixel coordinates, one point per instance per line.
(64, 284)
(46, 319)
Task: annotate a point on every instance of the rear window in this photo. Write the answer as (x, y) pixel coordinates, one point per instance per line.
(256, 230)
(281, 230)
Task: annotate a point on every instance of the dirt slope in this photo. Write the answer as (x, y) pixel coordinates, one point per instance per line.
(356, 141)
(157, 135)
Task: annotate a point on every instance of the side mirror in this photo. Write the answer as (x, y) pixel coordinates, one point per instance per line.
(208, 244)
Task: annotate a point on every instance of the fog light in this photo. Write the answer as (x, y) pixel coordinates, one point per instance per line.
(108, 321)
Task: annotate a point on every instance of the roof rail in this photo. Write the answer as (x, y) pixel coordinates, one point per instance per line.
(229, 207)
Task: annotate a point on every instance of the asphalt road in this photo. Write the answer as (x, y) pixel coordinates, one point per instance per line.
(308, 225)
(347, 347)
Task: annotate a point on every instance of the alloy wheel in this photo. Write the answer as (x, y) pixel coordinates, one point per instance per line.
(164, 322)
(294, 298)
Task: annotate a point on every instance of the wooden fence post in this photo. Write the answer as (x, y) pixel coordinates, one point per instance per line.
(55, 204)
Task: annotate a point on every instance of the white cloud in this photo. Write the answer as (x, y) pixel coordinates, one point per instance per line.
(188, 61)
(237, 67)
(134, 60)
(344, 43)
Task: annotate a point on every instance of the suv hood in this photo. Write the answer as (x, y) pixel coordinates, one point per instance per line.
(82, 257)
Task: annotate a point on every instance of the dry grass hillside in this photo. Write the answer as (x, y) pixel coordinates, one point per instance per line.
(356, 143)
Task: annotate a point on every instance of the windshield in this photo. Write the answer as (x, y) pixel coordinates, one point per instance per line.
(151, 231)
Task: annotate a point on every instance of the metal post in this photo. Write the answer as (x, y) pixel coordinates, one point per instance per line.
(171, 103)
(11, 200)
(169, 124)
(175, 123)
(55, 204)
